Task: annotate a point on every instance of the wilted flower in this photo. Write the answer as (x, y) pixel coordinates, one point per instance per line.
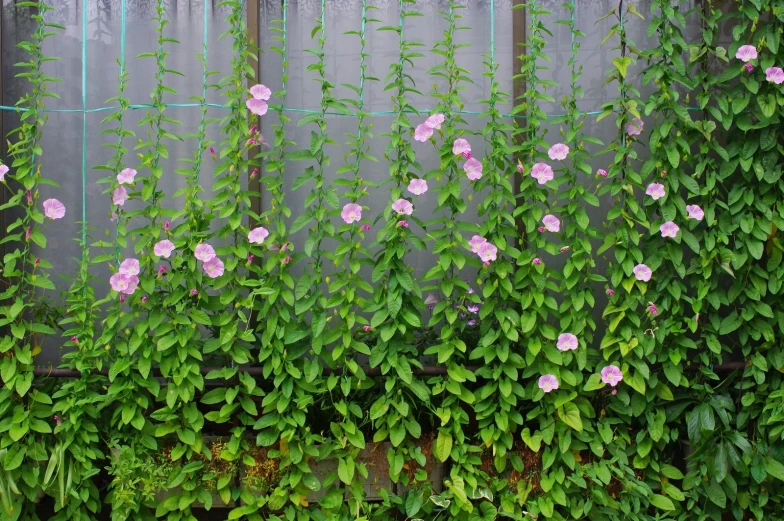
(57, 420)
(257, 235)
(402, 223)
(473, 308)
(749, 67)
(548, 383)
(542, 172)
(634, 127)
(74, 340)
(612, 375)
(286, 260)
(366, 328)
(610, 292)
(37, 262)
(669, 229)
(520, 167)
(254, 173)
(194, 291)
(746, 53)
(213, 268)
(28, 233)
(602, 172)
(250, 258)
(567, 342)
(53, 209)
(614, 392)
(642, 272)
(656, 191)
(695, 212)
(558, 152)
(564, 249)
(29, 196)
(471, 322)
(161, 270)
(537, 261)
(365, 227)
(212, 152)
(652, 309)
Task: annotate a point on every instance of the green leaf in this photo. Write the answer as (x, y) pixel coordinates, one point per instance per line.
(443, 445)
(570, 415)
(774, 468)
(662, 502)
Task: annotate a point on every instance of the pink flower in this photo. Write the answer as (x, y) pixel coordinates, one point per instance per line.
(29, 197)
(423, 132)
(475, 242)
(695, 212)
(749, 67)
(634, 127)
(351, 213)
(460, 146)
(194, 292)
(403, 207)
(656, 191)
(144, 299)
(123, 283)
(552, 223)
(254, 173)
(417, 186)
(652, 309)
(520, 167)
(3, 172)
(365, 227)
(558, 152)
(774, 75)
(471, 322)
(257, 235)
(57, 420)
(435, 121)
(614, 392)
(473, 169)
(119, 196)
(286, 261)
(548, 382)
(113, 218)
(163, 248)
(166, 225)
(257, 106)
(473, 308)
(746, 53)
(261, 92)
(250, 142)
(122, 298)
(487, 252)
(213, 268)
(403, 223)
(602, 172)
(642, 272)
(204, 252)
(669, 229)
(537, 261)
(28, 233)
(612, 375)
(74, 340)
(161, 270)
(37, 262)
(542, 172)
(610, 292)
(54, 209)
(366, 328)
(567, 342)
(129, 267)
(250, 259)
(541, 229)
(126, 176)
(212, 152)
(564, 249)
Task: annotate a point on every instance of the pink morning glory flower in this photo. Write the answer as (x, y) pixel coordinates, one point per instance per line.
(537, 261)
(366, 328)
(257, 235)
(542, 229)
(204, 252)
(129, 267)
(213, 268)
(257, 106)
(473, 308)
(194, 292)
(746, 53)
(163, 248)
(548, 382)
(520, 167)
(166, 225)
(642, 272)
(473, 169)
(261, 92)
(365, 227)
(435, 121)
(351, 213)
(610, 292)
(402, 223)
(3, 172)
(54, 209)
(551, 223)
(652, 309)
(612, 375)
(558, 152)
(567, 342)
(119, 196)
(475, 242)
(656, 191)
(669, 229)
(602, 172)
(403, 207)
(422, 132)
(774, 75)
(542, 172)
(126, 176)
(634, 127)
(487, 252)
(749, 67)
(417, 186)
(695, 212)
(123, 283)
(460, 146)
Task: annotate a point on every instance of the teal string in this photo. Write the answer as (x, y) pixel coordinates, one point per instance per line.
(84, 122)
(204, 75)
(492, 32)
(623, 87)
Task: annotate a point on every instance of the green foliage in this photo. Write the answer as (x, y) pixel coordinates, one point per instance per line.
(480, 390)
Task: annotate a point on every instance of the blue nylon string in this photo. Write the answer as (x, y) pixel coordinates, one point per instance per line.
(84, 121)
